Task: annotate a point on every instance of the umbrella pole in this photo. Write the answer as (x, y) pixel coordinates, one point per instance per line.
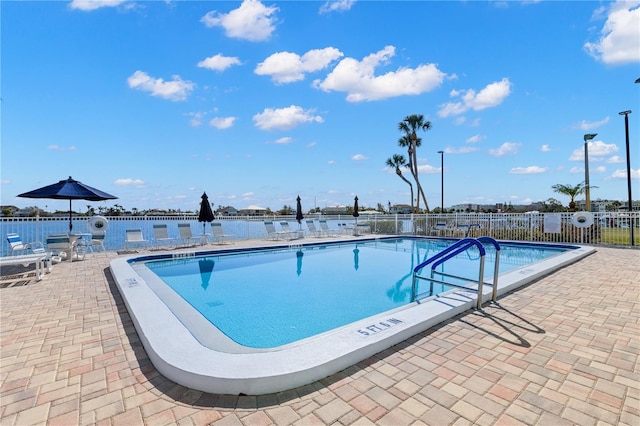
(70, 219)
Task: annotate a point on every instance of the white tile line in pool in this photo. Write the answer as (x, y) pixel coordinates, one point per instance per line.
(179, 356)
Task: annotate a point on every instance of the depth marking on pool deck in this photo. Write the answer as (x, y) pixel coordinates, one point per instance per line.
(378, 327)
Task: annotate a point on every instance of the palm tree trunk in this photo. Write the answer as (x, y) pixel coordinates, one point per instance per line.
(410, 187)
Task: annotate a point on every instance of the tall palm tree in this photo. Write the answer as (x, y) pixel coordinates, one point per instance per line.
(572, 191)
(396, 162)
(410, 125)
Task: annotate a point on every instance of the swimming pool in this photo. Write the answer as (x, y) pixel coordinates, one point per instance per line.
(282, 350)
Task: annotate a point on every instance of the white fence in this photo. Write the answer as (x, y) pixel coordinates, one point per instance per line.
(605, 229)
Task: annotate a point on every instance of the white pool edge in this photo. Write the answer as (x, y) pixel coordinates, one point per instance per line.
(178, 355)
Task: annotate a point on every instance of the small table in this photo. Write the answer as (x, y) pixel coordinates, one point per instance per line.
(203, 239)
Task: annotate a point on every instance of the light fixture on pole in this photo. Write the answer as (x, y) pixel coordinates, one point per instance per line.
(630, 206)
(587, 194)
(441, 181)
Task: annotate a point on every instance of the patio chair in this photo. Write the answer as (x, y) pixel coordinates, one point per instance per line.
(325, 228)
(186, 236)
(439, 229)
(161, 235)
(272, 234)
(18, 247)
(345, 229)
(221, 237)
(311, 225)
(289, 233)
(362, 228)
(134, 236)
(97, 242)
(65, 247)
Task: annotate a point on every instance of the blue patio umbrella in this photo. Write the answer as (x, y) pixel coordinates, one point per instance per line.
(299, 215)
(299, 255)
(206, 269)
(356, 258)
(69, 189)
(356, 213)
(206, 214)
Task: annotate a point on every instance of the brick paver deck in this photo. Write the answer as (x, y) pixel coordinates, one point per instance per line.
(561, 351)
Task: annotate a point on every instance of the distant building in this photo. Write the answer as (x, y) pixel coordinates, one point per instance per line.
(10, 210)
(25, 212)
(227, 211)
(334, 210)
(252, 211)
(400, 209)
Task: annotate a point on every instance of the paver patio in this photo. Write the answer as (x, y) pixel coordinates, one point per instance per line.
(563, 350)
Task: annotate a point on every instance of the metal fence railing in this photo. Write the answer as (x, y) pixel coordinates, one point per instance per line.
(598, 228)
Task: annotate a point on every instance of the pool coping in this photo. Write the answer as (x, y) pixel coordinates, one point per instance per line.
(180, 357)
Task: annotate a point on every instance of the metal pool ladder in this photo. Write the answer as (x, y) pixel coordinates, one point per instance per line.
(448, 253)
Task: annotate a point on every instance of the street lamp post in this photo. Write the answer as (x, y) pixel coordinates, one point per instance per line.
(441, 181)
(626, 132)
(587, 194)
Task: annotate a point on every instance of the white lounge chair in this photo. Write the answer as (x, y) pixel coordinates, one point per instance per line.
(221, 237)
(25, 260)
(134, 236)
(186, 236)
(19, 247)
(289, 233)
(325, 228)
(272, 234)
(346, 229)
(161, 235)
(311, 225)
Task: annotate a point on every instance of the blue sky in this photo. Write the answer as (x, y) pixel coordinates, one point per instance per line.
(259, 102)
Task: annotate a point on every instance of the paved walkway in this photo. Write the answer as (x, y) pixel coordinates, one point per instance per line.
(561, 351)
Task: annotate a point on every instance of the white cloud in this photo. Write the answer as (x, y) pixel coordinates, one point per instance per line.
(428, 169)
(597, 150)
(622, 174)
(284, 140)
(358, 79)
(619, 41)
(219, 62)
(530, 170)
(575, 170)
(545, 148)
(336, 6)
(129, 182)
(61, 148)
(196, 118)
(287, 67)
(222, 122)
(599, 169)
(284, 118)
(505, 148)
(251, 21)
(492, 95)
(174, 90)
(474, 139)
(87, 5)
(463, 150)
(615, 159)
(359, 157)
(587, 126)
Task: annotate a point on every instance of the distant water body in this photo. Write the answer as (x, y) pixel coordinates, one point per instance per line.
(31, 229)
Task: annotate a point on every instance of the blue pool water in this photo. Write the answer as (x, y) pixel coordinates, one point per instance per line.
(268, 298)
